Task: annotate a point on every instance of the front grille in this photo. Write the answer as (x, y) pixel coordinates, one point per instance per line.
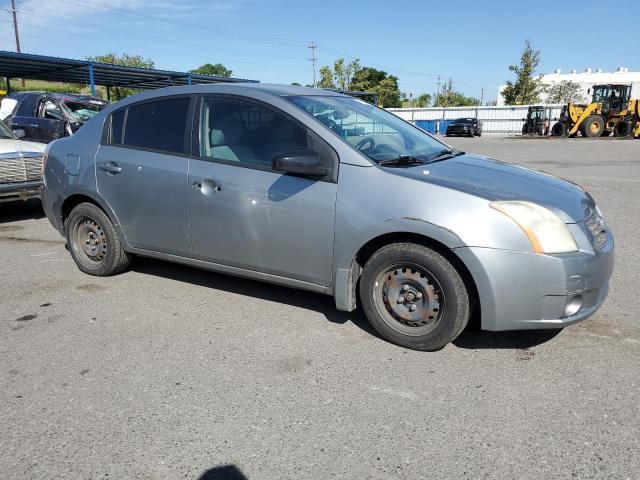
(20, 169)
(598, 229)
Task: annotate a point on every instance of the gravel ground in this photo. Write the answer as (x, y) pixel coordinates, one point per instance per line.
(170, 372)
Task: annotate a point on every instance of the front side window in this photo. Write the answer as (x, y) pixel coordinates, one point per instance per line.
(82, 111)
(235, 130)
(378, 134)
(158, 125)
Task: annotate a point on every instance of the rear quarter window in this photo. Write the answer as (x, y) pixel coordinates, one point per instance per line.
(158, 125)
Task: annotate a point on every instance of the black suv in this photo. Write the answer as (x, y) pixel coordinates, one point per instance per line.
(47, 116)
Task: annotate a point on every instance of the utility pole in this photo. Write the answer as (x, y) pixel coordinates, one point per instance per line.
(313, 60)
(481, 96)
(15, 25)
(437, 92)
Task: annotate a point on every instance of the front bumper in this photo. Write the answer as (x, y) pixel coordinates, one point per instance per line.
(460, 131)
(520, 290)
(10, 192)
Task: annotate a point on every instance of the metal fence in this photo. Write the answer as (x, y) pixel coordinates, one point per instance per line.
(507, 120)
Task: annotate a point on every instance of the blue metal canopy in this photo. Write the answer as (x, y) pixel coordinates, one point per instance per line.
(55, 69)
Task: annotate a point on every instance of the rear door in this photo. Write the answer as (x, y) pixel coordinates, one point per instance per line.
(141, 170)
(246, 215)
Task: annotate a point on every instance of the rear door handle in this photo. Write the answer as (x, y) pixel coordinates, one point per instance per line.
(110, 167)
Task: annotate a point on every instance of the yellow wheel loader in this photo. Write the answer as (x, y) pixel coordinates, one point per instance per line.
(610, 104)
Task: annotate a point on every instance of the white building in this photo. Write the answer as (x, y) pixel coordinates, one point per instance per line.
(586, 80)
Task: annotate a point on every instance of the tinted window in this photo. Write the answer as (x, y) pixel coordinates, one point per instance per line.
(246, 132)
(158, 125)
(117, 120)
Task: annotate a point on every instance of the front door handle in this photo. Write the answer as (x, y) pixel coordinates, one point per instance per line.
(110, 167)
(206, 187)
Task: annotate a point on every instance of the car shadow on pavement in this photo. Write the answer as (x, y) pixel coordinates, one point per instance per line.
(16, 211)
(323, 304)
(223, 472)
(471, 338)
(521, 339)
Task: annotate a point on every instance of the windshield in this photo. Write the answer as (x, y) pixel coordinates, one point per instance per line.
(5, 132)
(378, 134)
(83, 111)
(463, 120)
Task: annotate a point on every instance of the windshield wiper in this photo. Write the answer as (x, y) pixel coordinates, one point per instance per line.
(400, 161)
(445, 155)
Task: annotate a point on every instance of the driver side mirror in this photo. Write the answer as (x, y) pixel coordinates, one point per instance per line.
(19, 132)
(301, 161)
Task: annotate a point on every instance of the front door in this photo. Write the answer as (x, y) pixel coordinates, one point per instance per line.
(142, 174)
(246, 215)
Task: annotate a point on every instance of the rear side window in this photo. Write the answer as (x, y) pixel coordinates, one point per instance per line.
(158, 125)
(117, 122)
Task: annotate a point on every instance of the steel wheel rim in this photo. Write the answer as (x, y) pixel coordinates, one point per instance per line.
(89, 242)
(409, 298)
(595, 126)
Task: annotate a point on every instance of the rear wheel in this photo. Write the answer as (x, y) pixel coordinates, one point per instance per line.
(414, 297)
(559, 129)
(622, 129)
(592, 126)
(94, 242)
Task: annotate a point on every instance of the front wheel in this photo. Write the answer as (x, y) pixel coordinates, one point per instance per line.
(414, 297)
(94, 242)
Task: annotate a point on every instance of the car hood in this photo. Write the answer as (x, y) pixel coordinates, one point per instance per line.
(11, 145)
(497, 180)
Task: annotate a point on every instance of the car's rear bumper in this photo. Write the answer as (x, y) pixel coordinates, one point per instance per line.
(520, 290)
(10, 192)
(51, 204)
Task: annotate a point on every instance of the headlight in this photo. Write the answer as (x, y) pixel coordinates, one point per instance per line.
(544, 229)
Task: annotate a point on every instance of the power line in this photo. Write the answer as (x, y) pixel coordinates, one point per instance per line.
(122, 33)
(106, 8)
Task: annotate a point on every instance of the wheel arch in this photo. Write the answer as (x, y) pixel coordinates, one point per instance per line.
(346, 285)
(78, 197)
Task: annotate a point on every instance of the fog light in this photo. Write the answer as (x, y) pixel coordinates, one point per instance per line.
(573, 306)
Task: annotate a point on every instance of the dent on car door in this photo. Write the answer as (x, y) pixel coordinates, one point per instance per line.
(245, 214)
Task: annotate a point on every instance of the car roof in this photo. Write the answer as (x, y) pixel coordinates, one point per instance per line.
(270, 88)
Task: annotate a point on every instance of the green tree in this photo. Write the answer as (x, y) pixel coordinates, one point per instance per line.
(369, 79)
(218, 70)
(421, 101)
(526, 88)
(340, 76)
(124, 59)
(450, 97)
(564, 92)
(326, 78)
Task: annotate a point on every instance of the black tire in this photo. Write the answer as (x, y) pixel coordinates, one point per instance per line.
(592, 126)
(436, 308)
(559, 129)
(606, 133)
(525, 129)
(94, 242)
(622, 129)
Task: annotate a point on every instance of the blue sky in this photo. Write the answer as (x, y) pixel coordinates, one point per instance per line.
(471, 41)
